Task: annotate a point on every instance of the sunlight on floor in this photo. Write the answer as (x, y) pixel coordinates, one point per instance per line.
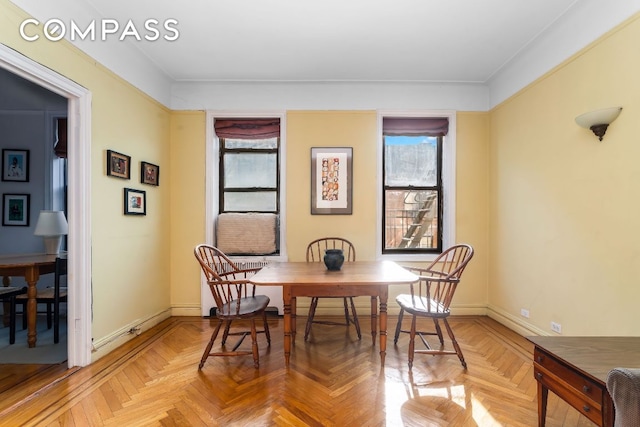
(408, 400)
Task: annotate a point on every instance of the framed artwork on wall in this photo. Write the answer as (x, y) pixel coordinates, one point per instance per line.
(331, 180)
(135, 202)
(118, 165)
(15, 210)
(149, 173)
(15, 165)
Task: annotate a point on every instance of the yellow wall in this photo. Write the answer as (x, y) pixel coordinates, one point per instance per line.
(564, 222)
(306, 129)
(187, 208)
(130, 254)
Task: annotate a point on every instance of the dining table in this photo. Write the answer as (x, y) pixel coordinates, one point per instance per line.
(357, 278)
(31, 267)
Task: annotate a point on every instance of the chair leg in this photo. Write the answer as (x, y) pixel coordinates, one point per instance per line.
(207, 350)
(398, 326)
(455, 343)
(356, 322)
(346, 311)
(412, 340)
(56, 322)
(438, 330)
(312, 313)
(24, 315)
(49, 316)
(225, 335)
(254, 343)
(12, 321)
(266, 327)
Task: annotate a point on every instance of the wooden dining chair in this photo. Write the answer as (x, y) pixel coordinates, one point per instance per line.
(235, 298)
(431, 298)
(52, 297)
(8, 297)
(315, 253)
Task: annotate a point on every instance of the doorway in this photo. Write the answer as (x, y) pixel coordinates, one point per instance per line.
(79, 196)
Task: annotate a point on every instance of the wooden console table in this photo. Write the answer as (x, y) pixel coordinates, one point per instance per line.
(576, 369)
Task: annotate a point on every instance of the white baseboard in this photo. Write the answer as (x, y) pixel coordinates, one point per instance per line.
(514, 323)
(334, 307)
(186, 310)
(105, 345)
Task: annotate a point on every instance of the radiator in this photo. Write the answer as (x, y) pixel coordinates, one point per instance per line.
(243, 264)
(273, 292)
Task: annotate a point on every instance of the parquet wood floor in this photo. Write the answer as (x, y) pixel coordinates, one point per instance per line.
(333, 380)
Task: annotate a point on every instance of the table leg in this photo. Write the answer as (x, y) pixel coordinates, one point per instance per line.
(286, 295)
(32, 274)
(374, 318)
(543, 394)
(6, 281)
(384, 295)
(294, 318)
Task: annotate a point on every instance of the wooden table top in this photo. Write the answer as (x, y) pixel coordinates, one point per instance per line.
(594, 356)
(316, 273)
(23, 260)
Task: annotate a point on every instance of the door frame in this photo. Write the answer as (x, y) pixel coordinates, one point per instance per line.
(79, 196)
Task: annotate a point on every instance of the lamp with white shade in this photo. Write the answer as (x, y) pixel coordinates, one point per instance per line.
(52, 225)
(599, 120)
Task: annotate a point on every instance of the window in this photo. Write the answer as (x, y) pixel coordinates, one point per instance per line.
(414, 190)
(249, 175)
(248, 178)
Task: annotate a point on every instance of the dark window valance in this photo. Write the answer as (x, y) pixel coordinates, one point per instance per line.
(247, 128)
(414, 126)
(60, 146)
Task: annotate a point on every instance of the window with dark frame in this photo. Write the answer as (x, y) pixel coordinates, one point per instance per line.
(249, 166)
(249, 175)
(412, 185)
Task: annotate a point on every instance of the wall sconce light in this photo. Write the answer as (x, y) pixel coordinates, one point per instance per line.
(52, 225)
(598, 120)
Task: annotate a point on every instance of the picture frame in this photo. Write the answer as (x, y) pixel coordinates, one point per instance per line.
(331, 180)
(15, 165)
(149, 174)
(118, 165)
(135, 202)
(16, 210)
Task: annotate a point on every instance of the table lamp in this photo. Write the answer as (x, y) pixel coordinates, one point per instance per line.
(52, 225)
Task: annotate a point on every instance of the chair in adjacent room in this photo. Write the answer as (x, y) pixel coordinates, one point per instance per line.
(51, 296)
(235, 298)
(431, 297)
(315, 253)
(8, 297)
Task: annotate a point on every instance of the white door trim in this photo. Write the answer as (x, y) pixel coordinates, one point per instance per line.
(79, 196)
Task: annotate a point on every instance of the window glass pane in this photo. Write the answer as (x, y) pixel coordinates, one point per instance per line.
(248, 170)
(411, 219)
(263, 144)
(411, 160)
(263, 201)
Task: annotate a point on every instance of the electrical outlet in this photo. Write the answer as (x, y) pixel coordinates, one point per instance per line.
(556, 327)
(524, 312)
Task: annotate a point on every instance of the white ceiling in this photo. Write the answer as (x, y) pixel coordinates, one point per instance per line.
(474, 49)
(338, 40)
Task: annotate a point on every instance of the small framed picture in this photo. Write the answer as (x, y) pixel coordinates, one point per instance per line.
(135, 202)
(149, 173)
(118, 165)
(15, 210)
(15, 165)
(331, 180)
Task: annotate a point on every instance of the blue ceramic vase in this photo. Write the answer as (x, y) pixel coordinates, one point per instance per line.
(333, 259)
